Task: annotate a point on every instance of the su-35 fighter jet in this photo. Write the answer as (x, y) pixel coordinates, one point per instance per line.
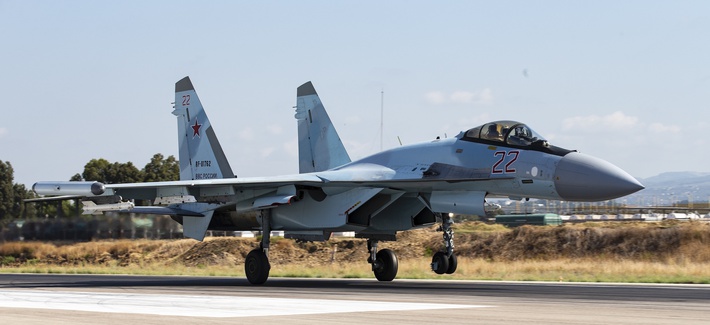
(404, 188)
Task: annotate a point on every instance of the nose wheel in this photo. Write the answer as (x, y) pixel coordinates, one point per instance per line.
(445, 262)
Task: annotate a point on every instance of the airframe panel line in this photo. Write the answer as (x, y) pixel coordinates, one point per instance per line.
(199, 306)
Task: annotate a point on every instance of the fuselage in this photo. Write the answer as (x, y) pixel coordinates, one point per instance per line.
(469, 166)
(394, 190)
(535, 171)
(411, 182)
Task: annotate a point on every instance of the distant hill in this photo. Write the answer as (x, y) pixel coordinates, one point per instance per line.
(677, 177)
(670, 187)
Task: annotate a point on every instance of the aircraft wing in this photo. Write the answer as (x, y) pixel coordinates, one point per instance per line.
(242, 183)
(151, 190)
(363, 175)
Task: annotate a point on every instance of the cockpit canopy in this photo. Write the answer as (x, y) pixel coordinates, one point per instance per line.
(511, 134)
(508, 132)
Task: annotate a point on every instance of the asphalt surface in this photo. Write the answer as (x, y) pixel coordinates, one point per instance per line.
(88, 299)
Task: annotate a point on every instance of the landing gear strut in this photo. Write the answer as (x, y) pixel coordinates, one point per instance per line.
(256, 265)
(445, 262)
(384, 263)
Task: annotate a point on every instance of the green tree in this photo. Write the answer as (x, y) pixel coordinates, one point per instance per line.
(12, 195)
(103, 171)
(7, 193)
(19, 208)
(59, 208)
(96, 170)
(159, 169)
(124, 173)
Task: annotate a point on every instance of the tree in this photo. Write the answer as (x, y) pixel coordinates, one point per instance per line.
(7, 194)
(96, 170)
(103, 171)
(124, 173)
(12, 195)
(159, 169)
(19, 208)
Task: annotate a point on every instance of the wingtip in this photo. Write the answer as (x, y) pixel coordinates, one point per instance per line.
(184, 85)
(306, 89)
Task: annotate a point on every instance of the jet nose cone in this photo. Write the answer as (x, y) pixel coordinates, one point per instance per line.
(581, 177)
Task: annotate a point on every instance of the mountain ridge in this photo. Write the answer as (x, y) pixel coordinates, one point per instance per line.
(672, 187)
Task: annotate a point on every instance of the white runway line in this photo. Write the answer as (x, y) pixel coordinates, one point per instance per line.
(199, 306)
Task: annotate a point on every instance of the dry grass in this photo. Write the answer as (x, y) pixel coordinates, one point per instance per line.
(575, 270)
(586, 270)
(557, 270)
(608, 252)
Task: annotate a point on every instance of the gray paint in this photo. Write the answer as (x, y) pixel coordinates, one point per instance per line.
(306, 89)
(452, 174)
(184, 85)
(319, 145)
(219, 154)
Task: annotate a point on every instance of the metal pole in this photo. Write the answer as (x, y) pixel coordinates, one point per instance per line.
(382, 117)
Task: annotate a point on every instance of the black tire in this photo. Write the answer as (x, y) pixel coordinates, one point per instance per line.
(257, 267)
(440, 263)
(453, 264)
(386, 265)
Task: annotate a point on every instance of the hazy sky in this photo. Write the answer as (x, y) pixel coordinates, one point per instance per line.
(627, 81)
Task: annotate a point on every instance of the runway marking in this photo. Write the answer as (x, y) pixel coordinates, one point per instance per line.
(199, 306)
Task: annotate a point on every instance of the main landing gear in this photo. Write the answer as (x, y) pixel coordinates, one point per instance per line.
(257, 264)
(384, 263)
(445, 262)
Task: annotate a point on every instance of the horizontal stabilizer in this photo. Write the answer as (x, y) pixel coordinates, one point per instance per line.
(196, 227)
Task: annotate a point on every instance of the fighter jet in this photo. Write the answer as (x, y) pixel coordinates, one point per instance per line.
(399, 189)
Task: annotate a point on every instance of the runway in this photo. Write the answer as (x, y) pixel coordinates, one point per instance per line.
(89, 299)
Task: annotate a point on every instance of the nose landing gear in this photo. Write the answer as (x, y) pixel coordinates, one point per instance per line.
(445, 262)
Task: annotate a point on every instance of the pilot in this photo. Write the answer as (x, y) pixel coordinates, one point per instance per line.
(493, 134)
(518, 137)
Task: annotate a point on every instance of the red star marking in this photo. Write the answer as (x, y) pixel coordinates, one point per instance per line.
(196, 129)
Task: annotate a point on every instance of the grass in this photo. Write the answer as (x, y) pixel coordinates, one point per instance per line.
(557, 270)
(562, 270)
(478, 227)
(593, 252)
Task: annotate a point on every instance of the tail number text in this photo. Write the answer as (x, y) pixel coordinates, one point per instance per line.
(501, 167)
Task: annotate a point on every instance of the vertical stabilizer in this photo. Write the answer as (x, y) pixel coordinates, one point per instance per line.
(201, 156)
(319, 146)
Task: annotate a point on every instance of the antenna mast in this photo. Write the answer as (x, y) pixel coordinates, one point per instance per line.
(382, 117)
